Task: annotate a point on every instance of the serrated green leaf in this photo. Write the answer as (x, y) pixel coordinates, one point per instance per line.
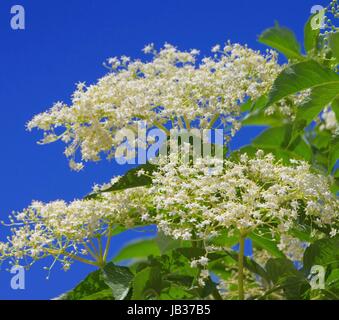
(321, 96)
(266, 243)
(119, 279)
(283, 40)
(93, 287)
(324, 85)
(283, 274)
(322, 252)
(129, 180)
(301, 76)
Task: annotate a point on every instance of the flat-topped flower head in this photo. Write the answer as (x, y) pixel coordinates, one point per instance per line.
(66, 231)
(173, 86)
(245, 195)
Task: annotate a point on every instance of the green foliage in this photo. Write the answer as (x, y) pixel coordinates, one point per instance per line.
(311, 37)
(129, 180)
(118, 279)
(147, 284)
(323, 252)
(93, 287)
(283, 40)
(161, 268)
(137, 250)
(301, 76)
(285, 276)
(266, 242)
(333, 41)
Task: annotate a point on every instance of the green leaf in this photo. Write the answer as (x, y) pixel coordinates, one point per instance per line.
(301, 76)
(275, 137)
(333, 42)
(118, 279)
(323, 252)
(333, 156)
(335, 186)
(278, 141)
(93, 287)
(101, 295)
(256, 113)
(302, 232)
(266, 243)
(279, 268)
(166, 243)
(283, 40)
(321, 96)
(324, 85)
(138, 249)
(260, 118)
(283, 274)
(191, 253)
(311, 36)
(147, 284)
(250, 105)
(129, 180)
(246, 106)
(224, 239)
(176, 292)
(335, 107)
(333, 279)
(322, 140)
(218, 267)
(249, 264)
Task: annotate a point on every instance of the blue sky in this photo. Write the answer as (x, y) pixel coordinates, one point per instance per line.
(66, 42)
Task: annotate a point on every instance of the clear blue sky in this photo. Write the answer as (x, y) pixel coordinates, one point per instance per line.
(66, 42)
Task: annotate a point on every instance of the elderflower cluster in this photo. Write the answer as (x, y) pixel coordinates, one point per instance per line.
(292, 247)
(328, 121)
(192, 203)
(174, 86)
(63, 230)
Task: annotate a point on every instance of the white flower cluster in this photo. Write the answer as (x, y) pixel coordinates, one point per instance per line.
(173, 87)
(292, 247)
(250, 193)
(65, 231)
(328, 121)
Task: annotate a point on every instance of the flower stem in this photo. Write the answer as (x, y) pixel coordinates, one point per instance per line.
(241, 266)
(108, 244)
